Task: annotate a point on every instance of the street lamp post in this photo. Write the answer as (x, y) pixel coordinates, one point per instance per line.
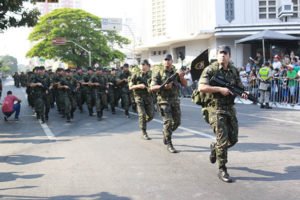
(89, 52)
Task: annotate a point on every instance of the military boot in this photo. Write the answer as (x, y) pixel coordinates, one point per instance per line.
(99, 115)
(113, 110)
(223, 175)
(68, 118)
(127, 113)
(213, 155)
(145, 135)
(43, 118)
(262, 105)
(268, 106)
(170, 147)
(90, 112)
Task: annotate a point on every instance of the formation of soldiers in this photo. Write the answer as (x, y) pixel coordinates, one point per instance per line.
(142, 88)
(72, 89)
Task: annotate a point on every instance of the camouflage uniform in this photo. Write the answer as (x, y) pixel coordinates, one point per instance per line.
(168, 102)
(221, 111)
(99, 92)
(68, 96)
(124, 91)
(87, 94)
(40, 93)
(143, 99)
(112, 91)
(79, 92)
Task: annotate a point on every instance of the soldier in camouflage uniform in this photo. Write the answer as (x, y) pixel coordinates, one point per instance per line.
(139, 83)
(220, 110)
(60, 73)
(68, 87)
(99, 84)
(40, 84)
(122, 82)
(79, 94)
(112, 89)
(168, 99)
(86, 88)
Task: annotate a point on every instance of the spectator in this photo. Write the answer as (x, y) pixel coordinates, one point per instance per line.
(249, 66)
(258, 61)
(187, 90)
(253, 82)
(291, 76)
(275, 85)
(244, 77)
(276, 62)
(9, 106)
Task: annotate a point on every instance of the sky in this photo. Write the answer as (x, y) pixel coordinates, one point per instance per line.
(14, 41)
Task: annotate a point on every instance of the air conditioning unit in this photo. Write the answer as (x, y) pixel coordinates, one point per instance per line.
(285, 9)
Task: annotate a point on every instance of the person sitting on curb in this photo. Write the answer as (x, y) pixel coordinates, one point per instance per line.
(9, 106)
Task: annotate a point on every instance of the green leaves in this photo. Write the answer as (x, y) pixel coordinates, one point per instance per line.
(76, 26)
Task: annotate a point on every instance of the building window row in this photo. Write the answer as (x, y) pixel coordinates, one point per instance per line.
(267, 9)
(158, 53)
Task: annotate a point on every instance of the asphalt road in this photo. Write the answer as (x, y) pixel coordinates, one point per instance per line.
(90, 159)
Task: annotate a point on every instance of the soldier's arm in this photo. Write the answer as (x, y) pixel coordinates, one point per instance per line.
(205, 87)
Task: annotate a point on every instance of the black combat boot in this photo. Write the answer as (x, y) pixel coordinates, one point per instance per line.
(90, 112)
(212, 156)
(268, 106)
(99, 115)
(46, 117)
(127, 113)
(170, 147)
(113, 110)
(223, 175)
(43, 119)
(262, 105)
(68, 118)
(145, 135)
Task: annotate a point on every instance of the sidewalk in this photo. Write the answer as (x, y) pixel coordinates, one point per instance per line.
(272, 104)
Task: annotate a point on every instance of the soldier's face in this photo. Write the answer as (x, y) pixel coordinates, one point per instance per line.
(168, 62)
(223, 57)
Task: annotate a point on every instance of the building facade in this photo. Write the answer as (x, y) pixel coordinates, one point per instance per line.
(192, 26)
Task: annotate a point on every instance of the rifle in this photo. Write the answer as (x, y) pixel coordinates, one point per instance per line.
(169, 80)
(218, 80)
(39, 80)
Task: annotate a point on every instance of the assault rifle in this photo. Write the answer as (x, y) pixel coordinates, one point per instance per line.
(218, 80)
(39, 80)
(169, 80)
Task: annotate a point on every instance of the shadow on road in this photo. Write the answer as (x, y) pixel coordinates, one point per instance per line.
(290, 173)
(12, 176)
(25, 159)
(99, 196)
(257, 147)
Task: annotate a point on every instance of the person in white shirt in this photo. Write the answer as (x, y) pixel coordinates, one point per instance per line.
(276, 62)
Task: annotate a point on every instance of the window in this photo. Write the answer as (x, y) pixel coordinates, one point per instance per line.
(229, 10)
(296, 8)
(267, 9)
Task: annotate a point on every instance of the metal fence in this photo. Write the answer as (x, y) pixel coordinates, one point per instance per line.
(282, 90)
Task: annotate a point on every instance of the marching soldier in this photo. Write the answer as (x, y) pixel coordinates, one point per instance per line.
(99, 82)
(122, 82)
(40, 84)
(168, 99)
(112, 89)
(221, 113)
(68, 87)
(139, 84)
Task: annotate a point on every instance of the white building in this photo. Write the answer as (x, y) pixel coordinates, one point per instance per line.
(46, 6)
(192, 26)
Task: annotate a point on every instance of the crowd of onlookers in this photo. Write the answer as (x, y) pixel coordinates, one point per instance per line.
(285, 80)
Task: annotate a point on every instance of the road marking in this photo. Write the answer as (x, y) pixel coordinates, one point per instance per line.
(250, 115)
(44, 126)
(180, 127)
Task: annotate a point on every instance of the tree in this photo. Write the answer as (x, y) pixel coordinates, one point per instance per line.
(77, 26)
(9, 63)
(14, 14)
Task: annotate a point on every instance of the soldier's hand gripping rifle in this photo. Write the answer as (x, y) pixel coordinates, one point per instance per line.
(218, 80)
(169, 80)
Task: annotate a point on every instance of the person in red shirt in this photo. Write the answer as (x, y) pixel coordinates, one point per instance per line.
(9, 106)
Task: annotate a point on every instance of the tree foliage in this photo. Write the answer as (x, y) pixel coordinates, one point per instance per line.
(14, 14)
(77, 26)
(8, 64)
